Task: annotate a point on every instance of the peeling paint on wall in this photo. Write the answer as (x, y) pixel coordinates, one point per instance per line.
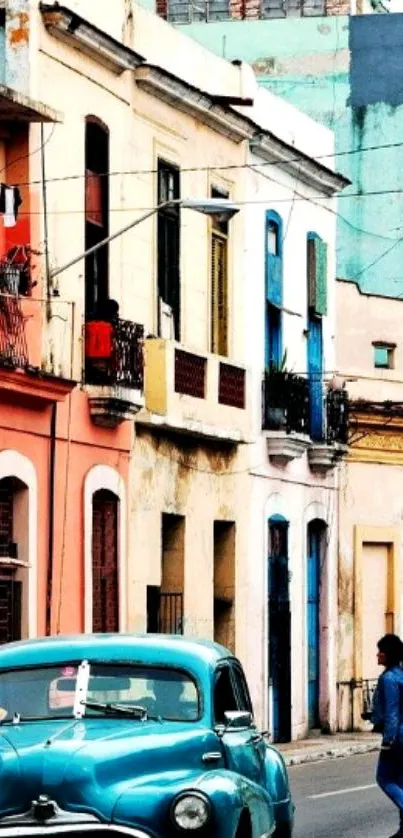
(17, 38)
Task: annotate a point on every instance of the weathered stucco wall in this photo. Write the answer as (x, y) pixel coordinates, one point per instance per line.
(332, 68)
(370, 490)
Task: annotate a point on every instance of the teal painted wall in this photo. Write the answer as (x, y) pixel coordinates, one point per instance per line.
(339, 70)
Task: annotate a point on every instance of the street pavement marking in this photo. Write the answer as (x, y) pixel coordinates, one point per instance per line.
(340, 791)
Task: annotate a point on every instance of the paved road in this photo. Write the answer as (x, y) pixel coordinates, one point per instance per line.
(338, 799)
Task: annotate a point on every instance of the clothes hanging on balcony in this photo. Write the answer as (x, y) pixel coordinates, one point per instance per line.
(10, 202)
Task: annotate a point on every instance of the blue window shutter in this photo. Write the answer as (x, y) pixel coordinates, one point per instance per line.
(274, 259)
(274, 280)
(317, 274)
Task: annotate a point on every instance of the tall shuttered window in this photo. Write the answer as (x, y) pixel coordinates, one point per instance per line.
(317, 275)
(168, 243)
(219, 283)
(274, 289)
(96, 216)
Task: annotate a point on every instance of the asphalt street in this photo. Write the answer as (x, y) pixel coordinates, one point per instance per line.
(339, 798)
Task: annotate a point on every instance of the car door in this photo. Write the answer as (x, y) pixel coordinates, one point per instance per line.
(240, 743)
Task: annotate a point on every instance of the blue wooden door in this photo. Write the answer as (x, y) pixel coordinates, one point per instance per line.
(313, 621)
(315, 372)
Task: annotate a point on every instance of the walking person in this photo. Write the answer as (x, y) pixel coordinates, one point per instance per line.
(387, 717)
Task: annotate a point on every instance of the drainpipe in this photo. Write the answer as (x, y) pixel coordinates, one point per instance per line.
(51, 517)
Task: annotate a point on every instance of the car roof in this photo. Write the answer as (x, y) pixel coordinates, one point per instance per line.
(160, 649)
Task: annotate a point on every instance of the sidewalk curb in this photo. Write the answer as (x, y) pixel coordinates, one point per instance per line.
(330, 753)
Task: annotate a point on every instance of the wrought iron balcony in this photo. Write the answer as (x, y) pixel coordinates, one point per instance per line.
(114, 370)
(288, 418)
(337, 415)
(37, 339)
(8, 550)
(285, 415)
(328, 447)
(285, 403)
(114, 354)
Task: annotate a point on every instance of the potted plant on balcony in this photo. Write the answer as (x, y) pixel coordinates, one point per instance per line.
(275, 395)
(286, 399)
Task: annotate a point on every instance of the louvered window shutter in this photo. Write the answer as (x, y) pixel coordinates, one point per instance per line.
(219, 294)
(317, 275)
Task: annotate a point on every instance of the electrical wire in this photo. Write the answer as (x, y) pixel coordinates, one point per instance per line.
(217, 168)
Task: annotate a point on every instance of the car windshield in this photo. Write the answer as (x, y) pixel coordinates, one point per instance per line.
(52, 692)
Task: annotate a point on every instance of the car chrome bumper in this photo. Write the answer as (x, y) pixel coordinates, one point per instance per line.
(37, 831)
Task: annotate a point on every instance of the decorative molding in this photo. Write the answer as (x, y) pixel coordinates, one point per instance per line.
(104, 477)
(283, 447)
(66, 25)
(323, 457)
(16, 107)
(308, 170)
(191, 100)
(35, 385)
(110, 406)
(14, 464)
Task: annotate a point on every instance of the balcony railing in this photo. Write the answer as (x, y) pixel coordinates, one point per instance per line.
(37, 335)
(285, 403)
(8, 550)
(337, 415)
(164, 612)
(286, 406)
(114, 354)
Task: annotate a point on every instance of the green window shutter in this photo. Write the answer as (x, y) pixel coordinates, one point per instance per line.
(321, 277)
(317, 275)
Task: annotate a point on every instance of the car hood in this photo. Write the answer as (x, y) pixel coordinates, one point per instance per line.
(86, 765)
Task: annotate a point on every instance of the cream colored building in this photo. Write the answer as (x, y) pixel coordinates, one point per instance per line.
(172, 387)
(370, 358)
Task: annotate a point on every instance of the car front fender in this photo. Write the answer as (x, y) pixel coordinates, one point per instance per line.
(278, 788)
(147, 803)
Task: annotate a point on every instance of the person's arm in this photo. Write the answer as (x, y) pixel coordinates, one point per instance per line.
(391, 711)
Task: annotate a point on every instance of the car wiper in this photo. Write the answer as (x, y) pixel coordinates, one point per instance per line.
(114, 709)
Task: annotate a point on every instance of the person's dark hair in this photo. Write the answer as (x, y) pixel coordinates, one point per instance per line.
(392, 648)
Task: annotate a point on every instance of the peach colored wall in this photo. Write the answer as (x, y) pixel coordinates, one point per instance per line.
(362, 319)
(78, 449)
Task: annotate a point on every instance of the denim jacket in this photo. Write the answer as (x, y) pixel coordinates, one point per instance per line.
(387, 708)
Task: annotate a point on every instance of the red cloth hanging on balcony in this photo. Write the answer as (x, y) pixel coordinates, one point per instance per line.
(98, 340)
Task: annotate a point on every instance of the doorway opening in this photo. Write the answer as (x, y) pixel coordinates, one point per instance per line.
(279, 629)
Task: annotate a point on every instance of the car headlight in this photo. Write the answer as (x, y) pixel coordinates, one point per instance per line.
(191, 811)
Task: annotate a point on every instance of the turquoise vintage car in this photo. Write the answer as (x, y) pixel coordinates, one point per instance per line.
(148, 737)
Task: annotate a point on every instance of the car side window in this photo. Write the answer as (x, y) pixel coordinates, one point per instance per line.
(225, 699)
(241, 686)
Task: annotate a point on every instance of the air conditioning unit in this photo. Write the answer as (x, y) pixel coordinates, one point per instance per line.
(167, 330)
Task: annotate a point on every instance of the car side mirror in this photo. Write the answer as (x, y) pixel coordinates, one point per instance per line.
(236, 719)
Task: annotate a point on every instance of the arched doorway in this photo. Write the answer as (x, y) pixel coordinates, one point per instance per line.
(279, 629)
(14, 560)
(316, 551)
(105, 562)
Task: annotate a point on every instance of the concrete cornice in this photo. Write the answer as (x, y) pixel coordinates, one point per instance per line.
(211, 109)
(305, 168)
(67, 26)
(193, 101)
